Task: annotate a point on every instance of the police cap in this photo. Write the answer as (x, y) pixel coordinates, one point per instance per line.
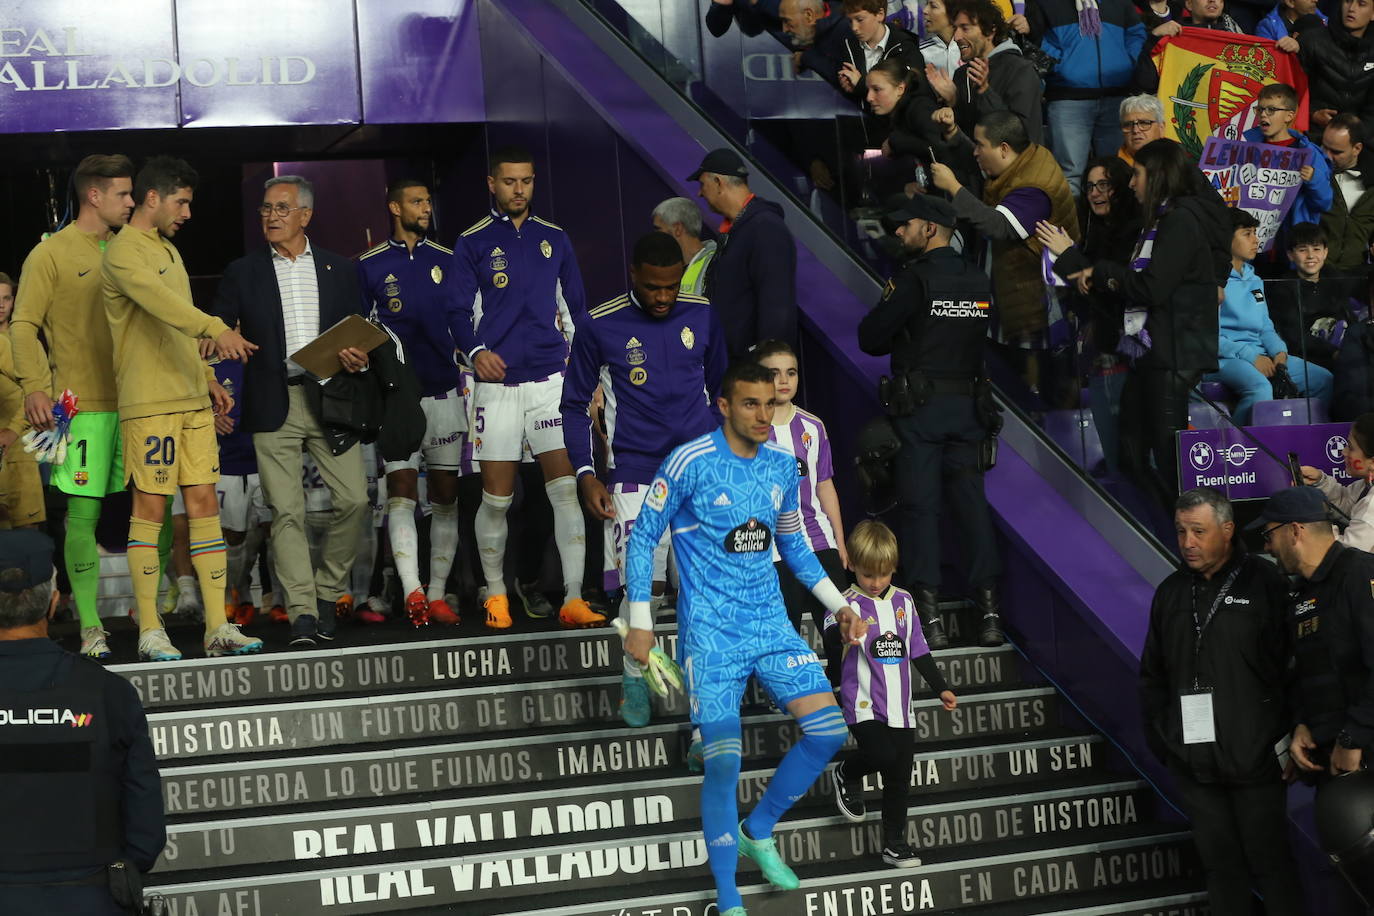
(722, 161)
(928, 207)
(28, 552)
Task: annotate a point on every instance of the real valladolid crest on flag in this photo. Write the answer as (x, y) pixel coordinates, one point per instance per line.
(1210, 80)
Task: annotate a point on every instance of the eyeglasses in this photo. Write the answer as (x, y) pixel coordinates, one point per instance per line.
(1138, 125)
(1267, 533)
(1267, 110)
(1102, 187)
(280, 209)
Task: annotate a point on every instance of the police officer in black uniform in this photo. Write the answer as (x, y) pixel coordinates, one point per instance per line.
(80, 798)
(933, 319)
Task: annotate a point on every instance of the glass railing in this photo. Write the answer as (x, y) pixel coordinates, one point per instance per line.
(817, 145)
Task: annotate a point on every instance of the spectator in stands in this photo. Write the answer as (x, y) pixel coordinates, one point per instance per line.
(7, 287)
(750, 15)
(285, 293)
(817, 37)
(994, 75)
(1339, 60)
(68, 824)
(1212, 696)
(938, 47)
(1275, 110)
(1250, 350)
(1095, 46)
(752, 280)
(1349, 224)
(1142, 122)
(1309, 310)
(871, 42)
(681, 219)
(1282, 20)
(1352, 498)
(896, 92)
(1109, 215)
(1169, 291)
(1161, 17)
(1025, 186)
(1201, 14)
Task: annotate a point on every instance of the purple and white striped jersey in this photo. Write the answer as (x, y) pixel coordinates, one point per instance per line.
(876, 677)
(805, 437)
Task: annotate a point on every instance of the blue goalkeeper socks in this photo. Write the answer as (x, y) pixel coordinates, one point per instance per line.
(719, 811)
(823, 734)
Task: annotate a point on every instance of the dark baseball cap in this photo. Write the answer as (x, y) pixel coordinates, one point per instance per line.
(29, 552)
(923, 206)
(723, 161)
(1294, 504)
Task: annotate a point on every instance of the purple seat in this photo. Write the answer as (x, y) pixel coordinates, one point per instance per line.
(1217, 392)
(1202, 415)
(1289, 412)
(1075, 432)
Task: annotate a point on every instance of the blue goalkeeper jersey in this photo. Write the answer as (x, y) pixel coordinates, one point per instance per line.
(725, 513)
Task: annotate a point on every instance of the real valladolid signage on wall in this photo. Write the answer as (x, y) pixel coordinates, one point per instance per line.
(95, 65)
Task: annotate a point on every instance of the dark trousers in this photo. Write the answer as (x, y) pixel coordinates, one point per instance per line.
(939, 457)
(1154, 407)
(798, 600)
(51, 900)
(1241, 833)
(889, 752)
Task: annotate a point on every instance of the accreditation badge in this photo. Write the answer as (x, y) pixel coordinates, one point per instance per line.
(1195, 714)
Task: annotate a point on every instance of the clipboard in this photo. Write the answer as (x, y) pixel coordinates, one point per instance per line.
(320, 357)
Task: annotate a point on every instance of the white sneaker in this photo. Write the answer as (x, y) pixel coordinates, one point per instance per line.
(154, 646)
(93, 644)
(227, 640)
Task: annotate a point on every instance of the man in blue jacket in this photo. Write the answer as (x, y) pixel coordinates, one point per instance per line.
(752, 281)
(1250, 349)
(1283, 19)
(1276, 108)
(1096, 48)
(658, 355)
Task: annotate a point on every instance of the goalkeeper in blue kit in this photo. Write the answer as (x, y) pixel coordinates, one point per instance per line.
(726, 497)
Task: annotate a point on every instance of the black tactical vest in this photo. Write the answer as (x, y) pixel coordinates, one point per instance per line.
(946, 336)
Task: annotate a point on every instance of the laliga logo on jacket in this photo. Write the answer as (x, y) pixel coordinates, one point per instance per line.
(46, 717)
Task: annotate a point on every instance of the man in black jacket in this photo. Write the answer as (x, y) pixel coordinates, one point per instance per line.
(79, 789)
(1211, 682)
(752, 280)
(285, 294)
(994, 75)
(1339, 60)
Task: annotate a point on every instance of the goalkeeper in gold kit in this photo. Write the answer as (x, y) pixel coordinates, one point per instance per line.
(166, 391)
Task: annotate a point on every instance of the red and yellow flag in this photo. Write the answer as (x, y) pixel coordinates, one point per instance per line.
(1209, 81)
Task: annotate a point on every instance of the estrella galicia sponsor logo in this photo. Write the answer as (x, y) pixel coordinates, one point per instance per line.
(751, 537)
(50, 716)
(888, 649)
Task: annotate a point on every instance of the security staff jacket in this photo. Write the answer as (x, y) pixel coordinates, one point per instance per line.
(522, 292)
(1333, 627)
(933, 317)
(79, 772)
(660, 377)
(411, 292)
(1240, 658)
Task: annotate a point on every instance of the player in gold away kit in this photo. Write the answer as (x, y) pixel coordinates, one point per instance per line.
(166, 422)
(61, 297)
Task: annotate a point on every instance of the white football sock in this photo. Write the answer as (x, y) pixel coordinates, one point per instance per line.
(489, 527)
(443, 544)
(400, 525)
(569, 532)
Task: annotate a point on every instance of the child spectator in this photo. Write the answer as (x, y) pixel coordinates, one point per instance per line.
(1306, 307)
(803, 434)
(1250, 349)
(1352, 498)
(876, 689)
(1276, 108)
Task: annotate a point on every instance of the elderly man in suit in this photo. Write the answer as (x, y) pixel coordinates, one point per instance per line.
(284, 294)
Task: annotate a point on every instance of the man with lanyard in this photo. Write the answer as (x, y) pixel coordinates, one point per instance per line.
(1211, 683)
(406, 285)
(658, 356)
(933, 319)
(79, 783)
(517, 277)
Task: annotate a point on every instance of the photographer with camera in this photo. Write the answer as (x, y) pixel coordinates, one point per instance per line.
(933, 320)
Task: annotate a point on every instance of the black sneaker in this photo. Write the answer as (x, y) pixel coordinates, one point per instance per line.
(304, 630)
(848, 798)
(900, 855)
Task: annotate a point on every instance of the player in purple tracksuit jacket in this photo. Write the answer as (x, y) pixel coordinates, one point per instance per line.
(658, 355)
(876, 689)
(517, 276)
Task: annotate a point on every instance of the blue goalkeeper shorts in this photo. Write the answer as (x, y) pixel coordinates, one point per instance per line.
(718, 669)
